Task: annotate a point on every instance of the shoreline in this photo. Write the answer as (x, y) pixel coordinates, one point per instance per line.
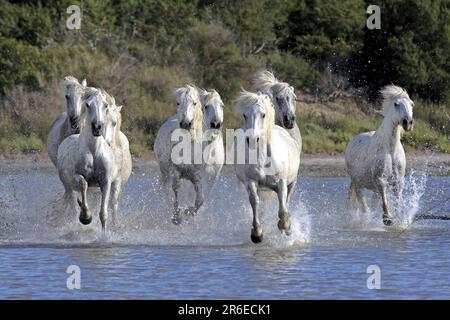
(310, 165)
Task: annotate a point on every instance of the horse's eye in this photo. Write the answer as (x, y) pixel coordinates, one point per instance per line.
(396, 104)
(67, 97)
(206, 107)
(114, 123)
(87, 105)
(264, 115)
(195, 103)
(245, 117)
(178, 103)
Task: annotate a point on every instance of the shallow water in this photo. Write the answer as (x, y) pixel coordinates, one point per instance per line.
(211, 255)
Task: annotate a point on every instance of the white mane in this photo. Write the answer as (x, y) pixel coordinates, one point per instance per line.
(390, 93)
(71, 82)
(266, 82)
(208, 96)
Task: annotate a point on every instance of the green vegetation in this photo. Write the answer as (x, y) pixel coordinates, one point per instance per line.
(140, 50)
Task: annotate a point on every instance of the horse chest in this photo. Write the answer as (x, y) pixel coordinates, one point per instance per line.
(92, 168)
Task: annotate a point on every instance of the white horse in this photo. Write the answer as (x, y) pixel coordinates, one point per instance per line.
(284, 100)
(376, 159)
(69, 122)
(118, 141)
(200, 116)
(95, 157)
(277, 162)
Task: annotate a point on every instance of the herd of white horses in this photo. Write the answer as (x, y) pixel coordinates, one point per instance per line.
(86, 145)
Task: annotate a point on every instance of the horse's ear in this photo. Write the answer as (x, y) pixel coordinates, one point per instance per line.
(84, 83)
(119, 108)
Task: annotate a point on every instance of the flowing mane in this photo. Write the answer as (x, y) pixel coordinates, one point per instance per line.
(208, 96)
(192, 93)
(118, 127)
(390, 93)
(253, 100)
(114, 109)
(70, 82)
(265, 81)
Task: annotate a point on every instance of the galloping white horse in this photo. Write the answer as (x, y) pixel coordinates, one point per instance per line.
(95, 156)
(69, 122)
(118, 141)
(284, 100)
(276, 165)
(200, 115)
(376, 159)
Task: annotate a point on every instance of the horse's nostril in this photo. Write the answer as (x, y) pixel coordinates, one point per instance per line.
(411, 121)
(405, 122)
(292, 118)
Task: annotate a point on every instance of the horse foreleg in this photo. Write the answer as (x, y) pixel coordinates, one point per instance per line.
(284, 223)
(256, 234)
(361, 199)
(398, 191)
(198, 187)
(106, 193)
(85, 213)
(351, 197)
(387, 219)
(291, 189)
(176, 217)
(114, 203)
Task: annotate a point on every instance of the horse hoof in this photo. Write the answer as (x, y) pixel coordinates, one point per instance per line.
(284, 225)
(176, 219)
(257, 239)
(387, 221)
(86, 221)
(190, 211)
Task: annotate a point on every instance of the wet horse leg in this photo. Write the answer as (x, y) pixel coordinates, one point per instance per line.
(176, 218)
(256, 234)
(284, 222)
(387, 219)
(106, 193)
(351, 197)
(197, 182)
(85, 213)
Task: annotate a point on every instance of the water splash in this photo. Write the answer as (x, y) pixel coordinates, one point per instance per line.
(415, 185)
(144, 216)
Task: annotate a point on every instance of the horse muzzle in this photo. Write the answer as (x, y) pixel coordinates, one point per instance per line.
(216, 125)
(408, 124)
(186, 125)
(75, 123)
(289, 121)
(97, 130)
(252, 142)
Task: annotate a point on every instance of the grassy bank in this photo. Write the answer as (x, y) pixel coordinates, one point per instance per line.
(326, 126)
